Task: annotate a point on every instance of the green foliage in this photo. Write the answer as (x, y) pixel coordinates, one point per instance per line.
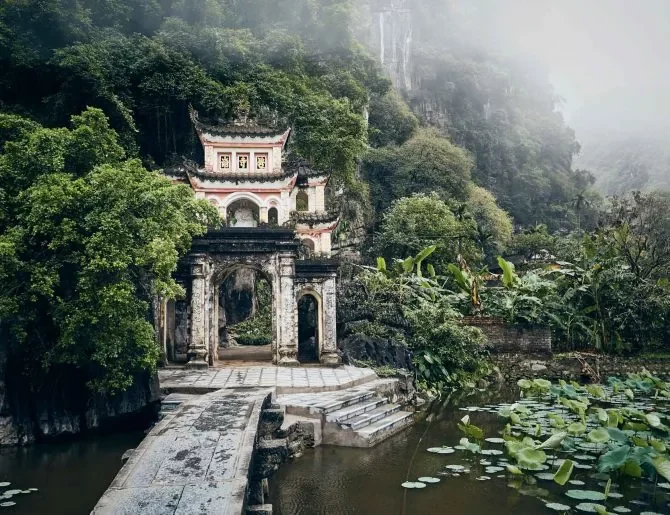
(420, 221)
(257, 329)
(410, 308)
(426, 164)
(88, 239)
(494, 225)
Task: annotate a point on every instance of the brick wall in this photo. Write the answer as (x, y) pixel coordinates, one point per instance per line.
(504, 338)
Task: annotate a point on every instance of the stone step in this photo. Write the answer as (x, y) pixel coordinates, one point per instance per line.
(354, 410)
(371, 417)
(384, 428)
(346, 400)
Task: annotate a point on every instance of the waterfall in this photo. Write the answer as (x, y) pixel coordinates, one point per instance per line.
(382, 47)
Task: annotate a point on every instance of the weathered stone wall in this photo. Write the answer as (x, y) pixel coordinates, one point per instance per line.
(504, 338)
(515, 366)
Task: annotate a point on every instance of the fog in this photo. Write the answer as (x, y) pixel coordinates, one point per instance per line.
(608, 59)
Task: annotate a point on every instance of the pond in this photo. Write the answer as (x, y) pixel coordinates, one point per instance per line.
(69, 476)
(337, 480)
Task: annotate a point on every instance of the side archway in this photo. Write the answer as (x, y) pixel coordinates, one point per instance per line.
(310, 327)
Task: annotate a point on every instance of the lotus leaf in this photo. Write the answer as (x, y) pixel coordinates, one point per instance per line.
(413, 484)
(662, 466)
(564, 472)
(613, 459)
(657, 445)
(514, 470)
(617, 435)
(530, 458)
(524, 384)
(441, 450)
(590, 507)
(428, 479)
(469, 446)
(542, 384)
(586, 495)
(557, 506)
(653, 420)
(576, 428)
(600, 435)
(632, 469)
(471, 430)
(553, 441)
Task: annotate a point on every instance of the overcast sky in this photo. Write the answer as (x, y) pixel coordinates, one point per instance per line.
(609, 59)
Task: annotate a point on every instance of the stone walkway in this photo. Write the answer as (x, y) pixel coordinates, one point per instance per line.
(284, 379)
(194, 461)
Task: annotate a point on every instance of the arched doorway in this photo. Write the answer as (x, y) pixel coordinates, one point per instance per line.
(308, 329)
(242, 213)
(244, 313)
(273, 217)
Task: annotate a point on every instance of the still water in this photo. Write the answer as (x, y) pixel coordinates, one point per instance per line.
(70, 476)
(337, 480)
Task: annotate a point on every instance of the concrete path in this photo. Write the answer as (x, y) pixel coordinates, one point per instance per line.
(194, 461)
(284, 379)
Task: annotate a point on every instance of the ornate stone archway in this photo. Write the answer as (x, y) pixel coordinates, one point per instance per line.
(191, 327)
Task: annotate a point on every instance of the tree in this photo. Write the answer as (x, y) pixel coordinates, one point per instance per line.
(638, 227)
(426, 163)
(420, 221)
(88, 239)
(494, 225)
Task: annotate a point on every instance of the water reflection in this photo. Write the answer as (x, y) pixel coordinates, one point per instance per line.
(70, 476)
(338, 480)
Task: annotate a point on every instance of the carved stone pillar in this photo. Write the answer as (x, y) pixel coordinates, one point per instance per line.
(197, 349)
(329, 355)
(287, 312)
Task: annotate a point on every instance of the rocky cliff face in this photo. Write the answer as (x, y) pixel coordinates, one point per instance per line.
(389, 32)
(64, 406)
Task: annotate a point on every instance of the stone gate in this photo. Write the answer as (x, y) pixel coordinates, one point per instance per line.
(188, 328)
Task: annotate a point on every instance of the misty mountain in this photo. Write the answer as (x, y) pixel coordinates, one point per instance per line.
(623, 163)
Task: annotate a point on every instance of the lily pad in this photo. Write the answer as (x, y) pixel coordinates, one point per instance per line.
(441, 450)
(4, 483)
(586, 495)
(413, 484)
(428, 479)
(7, 504)
(621, 509)
(590, 507)
(494, 440)
(557, 506)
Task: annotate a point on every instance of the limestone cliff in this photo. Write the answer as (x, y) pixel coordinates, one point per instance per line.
(64, 406)
(389, 34)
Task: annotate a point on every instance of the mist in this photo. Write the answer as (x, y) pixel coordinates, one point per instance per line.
(607, 59)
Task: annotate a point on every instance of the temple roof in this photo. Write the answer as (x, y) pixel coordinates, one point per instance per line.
(241, 127)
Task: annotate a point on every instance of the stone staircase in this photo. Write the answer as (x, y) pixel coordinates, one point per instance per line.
(361, 416)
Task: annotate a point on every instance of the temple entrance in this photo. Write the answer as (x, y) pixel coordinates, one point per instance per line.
(245, 316)
(242, 290)
(308, 329)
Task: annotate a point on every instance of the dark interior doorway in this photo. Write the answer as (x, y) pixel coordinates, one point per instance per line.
(308, 329)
